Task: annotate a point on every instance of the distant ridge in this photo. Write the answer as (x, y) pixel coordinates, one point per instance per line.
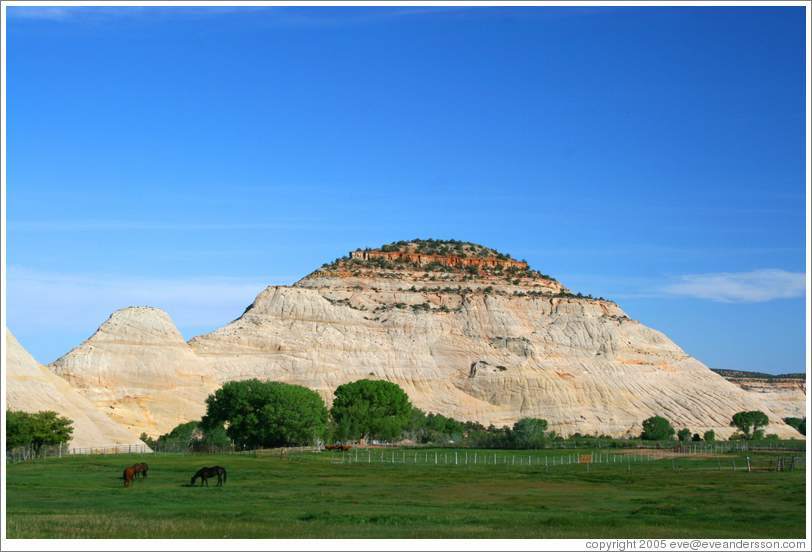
(757, 375)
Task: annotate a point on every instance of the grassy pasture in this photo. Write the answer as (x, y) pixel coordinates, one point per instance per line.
(84, 497)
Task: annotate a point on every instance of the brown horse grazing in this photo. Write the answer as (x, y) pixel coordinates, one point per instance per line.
(205, 473)
(129, 477)
(141, 469)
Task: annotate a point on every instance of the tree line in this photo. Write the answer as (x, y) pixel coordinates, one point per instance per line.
(255, 413)
(750, 424)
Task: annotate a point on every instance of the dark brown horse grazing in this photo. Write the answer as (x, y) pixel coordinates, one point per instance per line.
(129, 477)
(141, 469)
(205, 473)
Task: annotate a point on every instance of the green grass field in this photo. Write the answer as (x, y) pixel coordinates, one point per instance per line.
(310, 497)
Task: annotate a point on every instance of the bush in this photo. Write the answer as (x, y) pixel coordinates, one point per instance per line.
(657, 428)
(798, 423)
(529, 432)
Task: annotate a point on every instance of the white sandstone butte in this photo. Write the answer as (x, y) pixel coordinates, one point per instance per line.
(138, 369)
(465, 331)
(474, 335)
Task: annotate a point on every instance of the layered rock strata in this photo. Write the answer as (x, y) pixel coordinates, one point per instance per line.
(785, 396)
(425, 260)
(30, 387)
(490, 346)
(139, 371)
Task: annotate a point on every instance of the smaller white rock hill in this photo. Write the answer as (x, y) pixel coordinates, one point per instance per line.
(30, 387)
(138, 369)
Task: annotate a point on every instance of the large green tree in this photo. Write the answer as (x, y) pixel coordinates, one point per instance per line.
(48, 428)
(657, 428)
(265, 413)
(18, 431)
(373, 408)
(529, 431)
(749, 421)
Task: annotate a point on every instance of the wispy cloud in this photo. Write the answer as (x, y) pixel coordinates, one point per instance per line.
(741, 287)
(54, 13)
(80, 225)
(91, 13)
(262, 15)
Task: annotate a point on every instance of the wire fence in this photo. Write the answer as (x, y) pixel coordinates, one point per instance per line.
(686, 456)
(21, 454)
(674, 459)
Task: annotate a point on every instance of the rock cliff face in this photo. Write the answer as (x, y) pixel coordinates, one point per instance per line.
(465, 331)
(138, 370)
(487, 344)
(422, 260)
(784, 395)
(31, 387)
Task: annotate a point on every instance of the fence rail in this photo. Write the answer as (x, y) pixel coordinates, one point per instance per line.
(674, 459)
(21, 454)
(699, 451)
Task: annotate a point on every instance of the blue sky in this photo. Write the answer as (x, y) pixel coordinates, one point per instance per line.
(186, 158)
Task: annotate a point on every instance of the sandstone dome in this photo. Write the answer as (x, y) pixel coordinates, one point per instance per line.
(139, 371)
(473, 334)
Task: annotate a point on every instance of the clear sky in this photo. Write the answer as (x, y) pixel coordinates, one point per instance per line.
(186, 158)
